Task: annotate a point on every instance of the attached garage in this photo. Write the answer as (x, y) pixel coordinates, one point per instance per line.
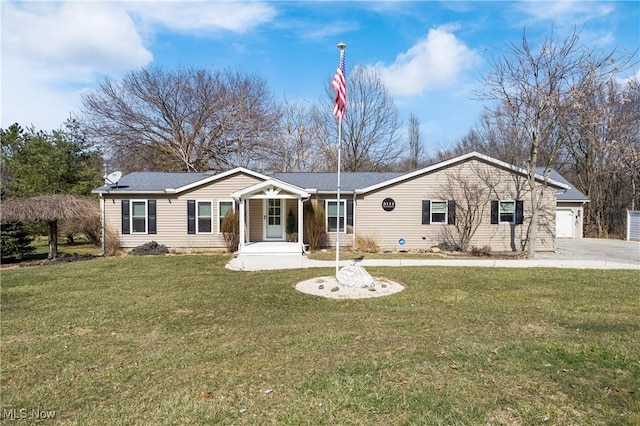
(565, 223)
(569, 208)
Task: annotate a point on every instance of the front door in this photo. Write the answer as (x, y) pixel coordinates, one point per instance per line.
(274, 223)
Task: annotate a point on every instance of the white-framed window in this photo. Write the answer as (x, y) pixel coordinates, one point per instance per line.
(139, 217)
(224, 206)
(507, 211)
(439, 212)
(335, 217)
(204, 217)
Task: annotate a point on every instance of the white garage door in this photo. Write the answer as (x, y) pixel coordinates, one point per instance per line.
(564, 224)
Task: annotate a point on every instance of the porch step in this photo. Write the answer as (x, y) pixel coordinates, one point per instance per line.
(271, 248)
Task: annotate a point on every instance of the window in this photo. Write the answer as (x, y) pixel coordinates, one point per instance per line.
(511, 211)
(334, 217)
(204, 218)
(507, 211)
(138, 217)
(223, 208)
(438, 212)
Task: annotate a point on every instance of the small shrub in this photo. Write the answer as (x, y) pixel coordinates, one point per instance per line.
(112, 246)
(314, 225)
(292, 223)
(15, 241)
(366, 244)
(89, 227)
(448, 246)
(480, 251)
(230, 228)
(149, 249)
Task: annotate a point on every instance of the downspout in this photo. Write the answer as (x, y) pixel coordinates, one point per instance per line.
(102, 227)
(353, 225)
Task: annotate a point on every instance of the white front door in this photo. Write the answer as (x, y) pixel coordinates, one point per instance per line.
(274, 219)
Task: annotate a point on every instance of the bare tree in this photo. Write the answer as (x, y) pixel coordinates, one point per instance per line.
(604, 135)
(371, 139)
(468, 194)
(184, 120)
(415, 143)
(295, 147)
(535, 87)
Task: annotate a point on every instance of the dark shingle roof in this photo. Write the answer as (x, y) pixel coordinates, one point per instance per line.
(153, 181)
(349, 181)
(571, 194)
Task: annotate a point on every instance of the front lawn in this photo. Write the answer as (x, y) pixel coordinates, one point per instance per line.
(181, 340)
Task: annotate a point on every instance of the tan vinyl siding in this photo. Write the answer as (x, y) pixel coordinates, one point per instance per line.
(405, 221)
(171, 213)
(346, 239)
(256, 221)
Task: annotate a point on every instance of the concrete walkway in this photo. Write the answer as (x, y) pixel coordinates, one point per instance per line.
(267, 262)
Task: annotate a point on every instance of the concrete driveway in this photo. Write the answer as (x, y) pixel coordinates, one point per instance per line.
(586, 249)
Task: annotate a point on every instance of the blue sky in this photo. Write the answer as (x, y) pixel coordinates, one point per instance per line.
(431, 54)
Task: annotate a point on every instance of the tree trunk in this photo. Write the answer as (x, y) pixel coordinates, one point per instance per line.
(531, 176)
(53, 239)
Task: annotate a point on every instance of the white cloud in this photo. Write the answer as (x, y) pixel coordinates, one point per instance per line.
(51, 51)
(434, 62)
(565, 12)
(198, 16)
(96, 36)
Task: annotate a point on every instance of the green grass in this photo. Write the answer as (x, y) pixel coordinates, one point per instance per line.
(181, 340)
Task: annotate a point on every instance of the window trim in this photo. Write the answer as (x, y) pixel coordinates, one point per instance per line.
(344, 216)
(197, 217)
(132, 217)
(446, 212)
(233, 208)
(513, 219)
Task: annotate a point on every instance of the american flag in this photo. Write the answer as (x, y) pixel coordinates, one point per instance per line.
(340, 86)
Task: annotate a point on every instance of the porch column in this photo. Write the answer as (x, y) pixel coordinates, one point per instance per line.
(241, 244)
(300, 223)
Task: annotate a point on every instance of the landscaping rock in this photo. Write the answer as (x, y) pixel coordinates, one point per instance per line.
(354, 276)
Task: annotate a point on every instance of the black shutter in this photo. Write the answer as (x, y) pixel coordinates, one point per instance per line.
(125, 217)
(451, 207)
(494, 212)
(151, 214)
(349, 212)
(426, 212)
(191, 216)
(519, 212)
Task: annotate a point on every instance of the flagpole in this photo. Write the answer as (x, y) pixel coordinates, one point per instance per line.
(340, 46)
(338, 227)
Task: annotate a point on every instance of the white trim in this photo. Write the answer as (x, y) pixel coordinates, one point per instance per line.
(217, 177)
(265, 210)
(513, 221)
(218, 218)
(446, 212)
(198, 217)
(146, 217)
(268, 188)
(462, 158)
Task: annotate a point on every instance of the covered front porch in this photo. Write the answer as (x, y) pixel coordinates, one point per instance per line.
(264, 210)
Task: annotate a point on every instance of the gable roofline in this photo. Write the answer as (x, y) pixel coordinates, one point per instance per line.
(219, 176)
(197, 180)
(456, 160)
(255, 188)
